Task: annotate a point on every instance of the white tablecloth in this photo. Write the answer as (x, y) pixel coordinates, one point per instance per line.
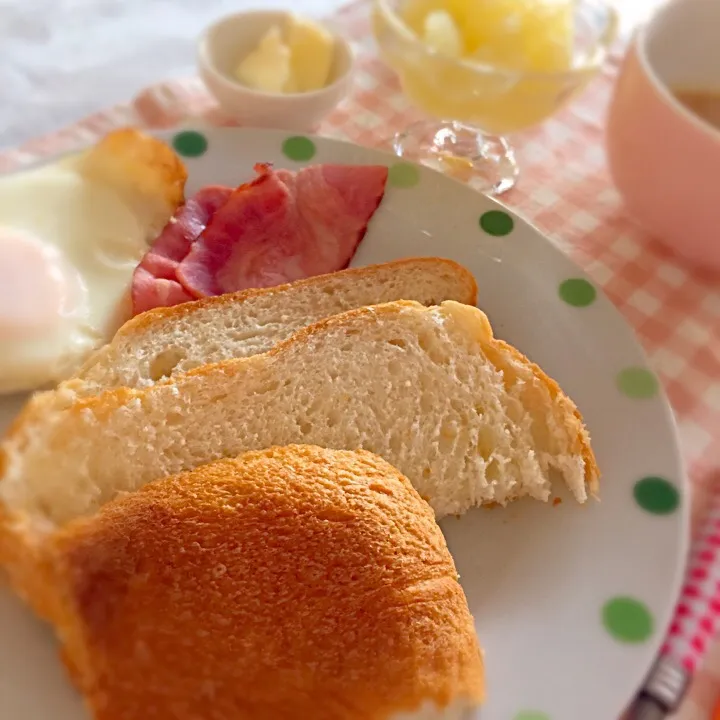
(63, 59)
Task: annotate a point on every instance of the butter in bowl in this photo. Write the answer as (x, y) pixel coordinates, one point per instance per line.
(275, 69)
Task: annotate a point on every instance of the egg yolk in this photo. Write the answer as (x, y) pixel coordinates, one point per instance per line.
(35, 293)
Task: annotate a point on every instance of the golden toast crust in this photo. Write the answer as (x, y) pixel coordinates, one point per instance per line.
(290, 583)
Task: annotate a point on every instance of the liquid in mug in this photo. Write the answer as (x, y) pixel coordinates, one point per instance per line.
(703, 103)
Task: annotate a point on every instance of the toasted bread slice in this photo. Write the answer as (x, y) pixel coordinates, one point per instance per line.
(467, 418)
(289, 583)
(163, 342)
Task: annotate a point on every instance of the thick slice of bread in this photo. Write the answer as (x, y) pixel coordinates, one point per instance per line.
(166, 341)
(466, 417)
(289, 583)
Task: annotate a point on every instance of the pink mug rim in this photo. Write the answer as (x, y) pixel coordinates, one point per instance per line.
(663, 90)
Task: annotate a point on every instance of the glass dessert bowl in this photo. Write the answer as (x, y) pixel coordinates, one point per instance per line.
(484, 69)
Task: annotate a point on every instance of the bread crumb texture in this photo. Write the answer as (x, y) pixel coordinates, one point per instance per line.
(167, 341)
(466, 417)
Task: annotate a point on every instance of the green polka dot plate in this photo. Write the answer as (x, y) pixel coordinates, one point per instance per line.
(571, 603)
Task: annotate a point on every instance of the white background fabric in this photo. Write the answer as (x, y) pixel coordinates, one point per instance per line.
(63, 59)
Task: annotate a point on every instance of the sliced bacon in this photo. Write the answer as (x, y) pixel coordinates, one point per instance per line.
(280, 227)
(150, 292)
(155, 281)
(284, 226)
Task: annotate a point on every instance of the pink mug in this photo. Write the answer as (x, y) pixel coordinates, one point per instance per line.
(664, 159)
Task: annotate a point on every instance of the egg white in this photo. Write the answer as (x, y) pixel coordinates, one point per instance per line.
(95, 239)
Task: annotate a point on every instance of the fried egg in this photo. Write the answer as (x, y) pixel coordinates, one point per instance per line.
(71, 235)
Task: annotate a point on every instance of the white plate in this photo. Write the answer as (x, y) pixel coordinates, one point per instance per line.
(545, 583)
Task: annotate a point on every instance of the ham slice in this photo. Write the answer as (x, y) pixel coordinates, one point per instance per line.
(284, 226)
(155, 281)
(281, 226)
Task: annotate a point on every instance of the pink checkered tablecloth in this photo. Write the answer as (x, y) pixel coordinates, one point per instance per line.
(565, 191)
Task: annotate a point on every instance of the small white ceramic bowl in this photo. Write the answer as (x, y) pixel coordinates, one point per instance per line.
(223, 46)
